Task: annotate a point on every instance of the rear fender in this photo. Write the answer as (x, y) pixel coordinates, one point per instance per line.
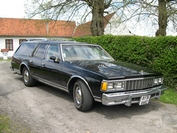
(22, 65)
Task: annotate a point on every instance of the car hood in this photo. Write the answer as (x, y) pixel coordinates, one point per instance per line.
(116, 69)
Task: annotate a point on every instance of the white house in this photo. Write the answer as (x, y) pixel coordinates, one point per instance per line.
(14, 31)
(112, 25)
(116, 27)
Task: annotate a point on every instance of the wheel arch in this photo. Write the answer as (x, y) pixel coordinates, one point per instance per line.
(22, 65)
(72, 81)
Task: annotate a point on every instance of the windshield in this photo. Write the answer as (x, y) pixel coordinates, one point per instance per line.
(84, 52)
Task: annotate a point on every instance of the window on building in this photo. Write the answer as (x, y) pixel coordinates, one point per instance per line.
(9, 44)
(21, 40)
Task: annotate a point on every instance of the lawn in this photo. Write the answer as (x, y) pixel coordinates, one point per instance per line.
(1, 59)
(170, 96)
(7, 125)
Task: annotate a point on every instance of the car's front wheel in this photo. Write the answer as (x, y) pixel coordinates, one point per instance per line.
(82, 97)
(27, 79)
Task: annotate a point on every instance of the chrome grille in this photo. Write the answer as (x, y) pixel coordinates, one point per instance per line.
(139, 84)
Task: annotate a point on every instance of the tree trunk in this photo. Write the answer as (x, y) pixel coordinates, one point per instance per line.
(97, 24)
(162, 18)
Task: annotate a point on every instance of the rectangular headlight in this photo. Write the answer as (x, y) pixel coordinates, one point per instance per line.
(112, 86)
(119, 85)
(161, 80)
(158, 81)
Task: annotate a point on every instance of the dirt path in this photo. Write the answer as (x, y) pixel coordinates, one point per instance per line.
(44, 109)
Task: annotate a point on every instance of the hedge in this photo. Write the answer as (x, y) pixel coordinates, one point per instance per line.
(158, 53)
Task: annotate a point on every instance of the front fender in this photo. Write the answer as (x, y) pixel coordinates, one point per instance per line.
(73, 79)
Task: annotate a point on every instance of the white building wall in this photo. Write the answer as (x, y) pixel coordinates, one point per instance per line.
(15, 44)
(116, 28)
(1, 45)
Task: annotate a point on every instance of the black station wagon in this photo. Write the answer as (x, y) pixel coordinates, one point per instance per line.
(87, 72)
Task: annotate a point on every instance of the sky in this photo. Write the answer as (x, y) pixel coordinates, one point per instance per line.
(12, 9)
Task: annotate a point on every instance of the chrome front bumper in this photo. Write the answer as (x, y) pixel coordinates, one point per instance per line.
(131, 97)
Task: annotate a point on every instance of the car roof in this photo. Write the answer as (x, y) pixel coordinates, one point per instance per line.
(56, 42)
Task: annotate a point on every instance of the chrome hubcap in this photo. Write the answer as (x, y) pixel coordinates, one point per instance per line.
(78, 95)
(26, 76)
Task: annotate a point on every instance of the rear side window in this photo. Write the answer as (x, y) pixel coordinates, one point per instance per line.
(39, 53)
(26, 48)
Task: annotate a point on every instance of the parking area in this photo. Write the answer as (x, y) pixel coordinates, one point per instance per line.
(44, 109)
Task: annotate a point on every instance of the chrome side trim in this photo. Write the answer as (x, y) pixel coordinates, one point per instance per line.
(98, 99)
(60, 87)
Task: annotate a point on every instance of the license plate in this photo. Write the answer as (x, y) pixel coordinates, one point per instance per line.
(144, 100)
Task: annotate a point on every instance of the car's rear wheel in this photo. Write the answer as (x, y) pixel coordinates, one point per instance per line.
(82, 97)
(27, 79)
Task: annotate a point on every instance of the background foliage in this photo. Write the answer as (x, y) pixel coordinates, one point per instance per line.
(158, 53)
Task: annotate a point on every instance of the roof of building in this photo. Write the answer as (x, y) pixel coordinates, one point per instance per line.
(35, 27)
(84, 29)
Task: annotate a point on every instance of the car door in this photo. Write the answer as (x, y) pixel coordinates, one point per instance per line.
(35, 61)
(52, 69)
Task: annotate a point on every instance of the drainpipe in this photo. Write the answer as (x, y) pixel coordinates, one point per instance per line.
(47, 28)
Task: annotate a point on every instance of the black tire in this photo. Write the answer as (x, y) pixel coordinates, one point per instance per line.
(27, 79)
(82, 97)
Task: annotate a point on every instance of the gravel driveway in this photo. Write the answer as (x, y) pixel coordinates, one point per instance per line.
(44, 109)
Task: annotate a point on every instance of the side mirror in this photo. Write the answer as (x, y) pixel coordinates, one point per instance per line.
(55, 59)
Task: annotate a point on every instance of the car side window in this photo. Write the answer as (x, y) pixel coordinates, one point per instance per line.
(53, 50)
(26, 48)
(39, 53)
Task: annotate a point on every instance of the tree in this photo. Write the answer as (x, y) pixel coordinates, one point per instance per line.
(162, 11)
(97, 8)
(165, 10)
(53, 9)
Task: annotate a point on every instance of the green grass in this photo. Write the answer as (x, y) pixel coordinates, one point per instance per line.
(4, 124)
(170, 96)
(1, 59)
(7, 125)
